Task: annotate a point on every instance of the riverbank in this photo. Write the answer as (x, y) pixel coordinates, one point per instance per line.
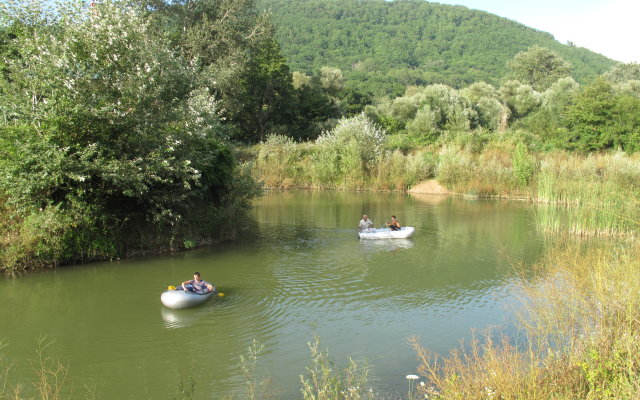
(601, 191)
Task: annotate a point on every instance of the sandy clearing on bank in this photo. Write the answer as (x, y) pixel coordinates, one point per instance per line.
(429, 187)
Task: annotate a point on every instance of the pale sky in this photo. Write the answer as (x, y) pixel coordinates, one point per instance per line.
(608, 27)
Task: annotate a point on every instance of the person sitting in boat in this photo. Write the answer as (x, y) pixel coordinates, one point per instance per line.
(365, 223)
(394, 225)
(197, 285)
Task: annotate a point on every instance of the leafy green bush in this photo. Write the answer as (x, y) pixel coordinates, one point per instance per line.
(103, 131)
(346, 155)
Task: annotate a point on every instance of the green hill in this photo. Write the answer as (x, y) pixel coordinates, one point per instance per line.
(383, 46)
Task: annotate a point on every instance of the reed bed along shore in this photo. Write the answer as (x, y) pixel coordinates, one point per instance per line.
(596, 194)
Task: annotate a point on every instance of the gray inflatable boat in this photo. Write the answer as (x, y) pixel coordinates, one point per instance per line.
(178, 298)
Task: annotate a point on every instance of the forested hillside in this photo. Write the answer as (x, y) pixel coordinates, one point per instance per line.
(384, 46)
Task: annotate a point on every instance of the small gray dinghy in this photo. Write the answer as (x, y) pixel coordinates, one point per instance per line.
(178, 298)
(386, 233)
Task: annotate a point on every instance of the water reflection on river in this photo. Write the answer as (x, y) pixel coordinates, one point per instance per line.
(299, 270)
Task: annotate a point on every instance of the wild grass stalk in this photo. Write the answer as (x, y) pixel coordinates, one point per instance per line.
(324, 382)
(255, 388)
(48, 383)
(581, 317)
(278, 163)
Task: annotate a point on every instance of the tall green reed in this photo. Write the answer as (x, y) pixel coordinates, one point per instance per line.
(601, 194)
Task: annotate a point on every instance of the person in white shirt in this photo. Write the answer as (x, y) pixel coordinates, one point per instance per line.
(365, 223)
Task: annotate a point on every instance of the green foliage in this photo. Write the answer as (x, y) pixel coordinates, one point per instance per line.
(331, 80)
(601, 119)
(491, 113)
(521, 99)
(232, 46)
(381, 46)
(623, 73)
(346, 155)
(104, 131)
(478, 91)
(523, 165)
(311, 108)
(424, 126)
(388, 122)
(631, 87)
(559, 95)
(538, 67)
(262, 101)
(353, 102)
(426, 111)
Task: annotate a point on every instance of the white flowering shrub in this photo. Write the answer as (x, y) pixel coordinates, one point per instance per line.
(101, 116)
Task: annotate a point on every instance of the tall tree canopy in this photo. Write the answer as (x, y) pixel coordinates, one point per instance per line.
(538, 67)
(233, 47)
(107, 130)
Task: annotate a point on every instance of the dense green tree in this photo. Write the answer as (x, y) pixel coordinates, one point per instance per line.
(263, 93)
(631, 87)
(105, 131)
(520, 98)
(599, 119)
(353, 102)
(423, 110)
(549, 117)
(559, 95)
(480, 90)
(238, 59)
(424, 125)
(623, 72)
(485, 100)
(331, 80)
(538, 67)
(310, 111)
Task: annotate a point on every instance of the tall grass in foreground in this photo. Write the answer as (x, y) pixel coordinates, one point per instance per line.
(581, 318)
(322, 380)
(49, 381)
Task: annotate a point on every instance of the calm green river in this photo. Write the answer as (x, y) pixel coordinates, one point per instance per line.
(298, 271)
